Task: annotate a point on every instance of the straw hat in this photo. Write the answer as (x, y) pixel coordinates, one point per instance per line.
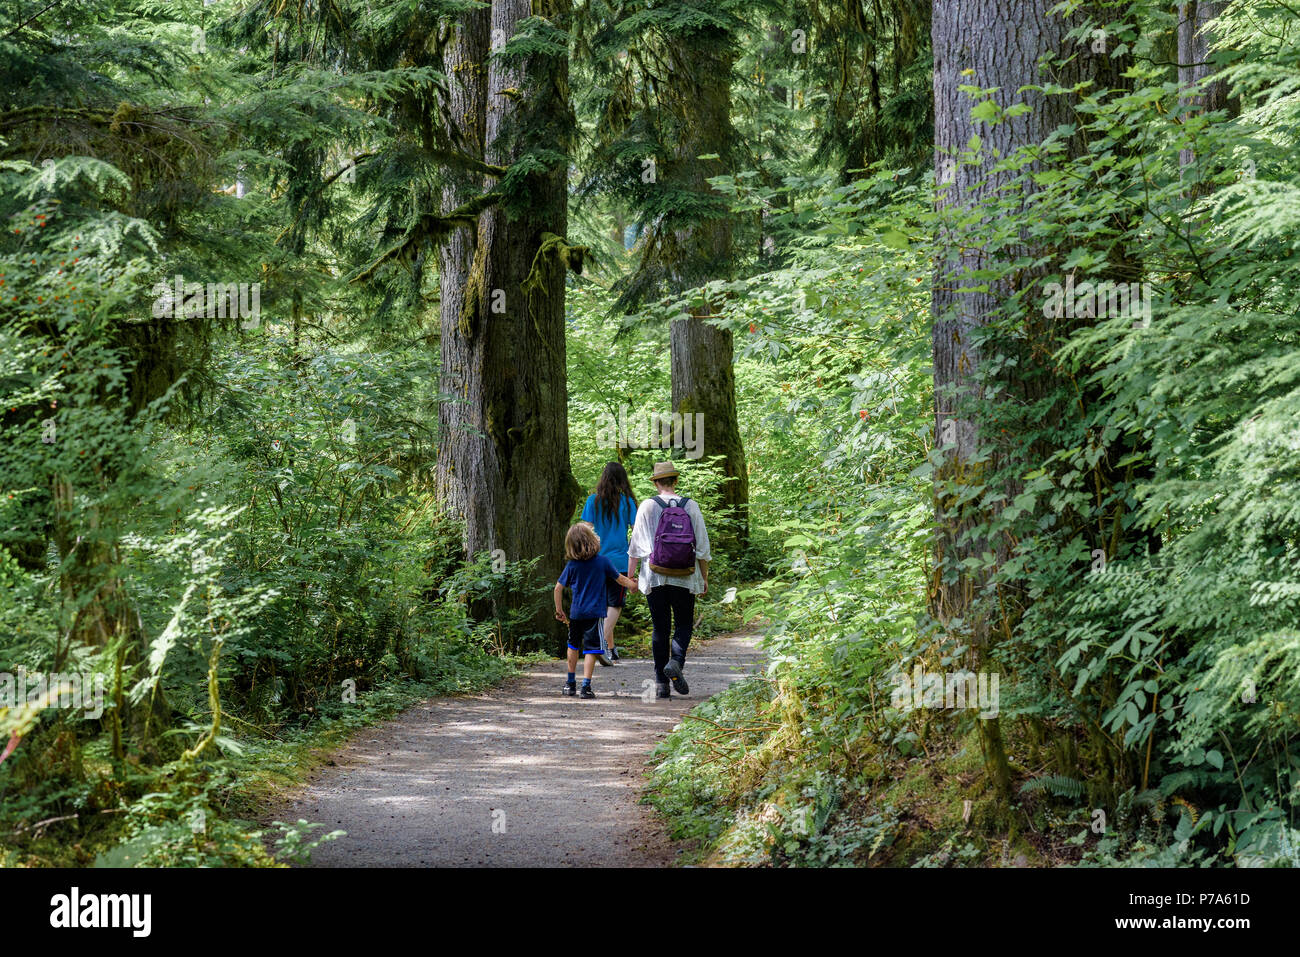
(663, 470)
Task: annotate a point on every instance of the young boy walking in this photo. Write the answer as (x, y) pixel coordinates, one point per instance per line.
(586, 575)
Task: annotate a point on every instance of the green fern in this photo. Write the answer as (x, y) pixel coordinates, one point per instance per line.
(1057, 785)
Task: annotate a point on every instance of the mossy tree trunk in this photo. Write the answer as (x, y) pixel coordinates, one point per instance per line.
(1014, 39)
(704, 381)
(703, 375)
(504, 458)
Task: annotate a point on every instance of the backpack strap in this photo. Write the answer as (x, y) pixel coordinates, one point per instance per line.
(681, 504)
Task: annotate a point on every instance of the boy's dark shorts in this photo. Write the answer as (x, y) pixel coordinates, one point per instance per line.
(615, 595)
(584, 635)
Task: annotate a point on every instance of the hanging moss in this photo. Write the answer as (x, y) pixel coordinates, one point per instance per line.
(553, 249)
(428, 230)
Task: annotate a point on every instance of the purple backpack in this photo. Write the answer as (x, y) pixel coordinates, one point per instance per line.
(674, 548)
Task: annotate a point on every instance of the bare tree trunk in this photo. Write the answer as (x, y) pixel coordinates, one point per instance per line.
(1194, 34)
(776, 47)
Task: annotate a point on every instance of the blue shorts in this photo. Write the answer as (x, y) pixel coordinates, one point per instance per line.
(585, 635)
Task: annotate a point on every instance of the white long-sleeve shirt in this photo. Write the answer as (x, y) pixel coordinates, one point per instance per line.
(642, 544)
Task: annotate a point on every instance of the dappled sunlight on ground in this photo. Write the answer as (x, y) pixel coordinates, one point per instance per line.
(518, 776)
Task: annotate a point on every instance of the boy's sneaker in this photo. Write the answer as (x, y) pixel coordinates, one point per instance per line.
(661, 690)
(613, 653)
(570, 689)
(679, 684)
(586, 692)
(603, 658)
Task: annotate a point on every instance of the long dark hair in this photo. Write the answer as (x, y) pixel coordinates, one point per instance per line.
(611, 488)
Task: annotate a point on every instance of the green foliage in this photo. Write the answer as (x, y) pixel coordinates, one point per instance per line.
(1054, 784)
(1169, 658)
(1134, 500)
(698, 796)
(230, 564)
(236, 529)
(292, 845)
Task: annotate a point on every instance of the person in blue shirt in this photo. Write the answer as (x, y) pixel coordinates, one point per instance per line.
(611, 510)
(587, 574)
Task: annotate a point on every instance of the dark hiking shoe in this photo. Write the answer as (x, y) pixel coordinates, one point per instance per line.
(661, 690)
(586, 692)
(673, 669)
(570, 689)
(679, 684)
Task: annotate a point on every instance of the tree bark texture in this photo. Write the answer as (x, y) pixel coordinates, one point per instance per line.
(504, 459)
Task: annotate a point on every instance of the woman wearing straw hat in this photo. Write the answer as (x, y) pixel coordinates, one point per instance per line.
(669, 534)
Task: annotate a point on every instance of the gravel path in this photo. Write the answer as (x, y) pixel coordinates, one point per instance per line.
(518, 776)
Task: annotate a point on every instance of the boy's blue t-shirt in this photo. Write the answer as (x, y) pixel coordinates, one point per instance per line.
(587, 579)
(612, 531)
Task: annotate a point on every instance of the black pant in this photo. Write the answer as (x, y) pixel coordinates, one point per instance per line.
(669, 603)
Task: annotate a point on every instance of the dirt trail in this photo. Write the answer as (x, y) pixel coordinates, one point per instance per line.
(560, 778)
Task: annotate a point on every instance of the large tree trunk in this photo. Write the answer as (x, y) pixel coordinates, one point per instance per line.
(1000, 43)
(704, 381)
(1194, 66)
(98, 612)
(504, 459)
(1003, 52)
(703, 378)
(462, 113)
